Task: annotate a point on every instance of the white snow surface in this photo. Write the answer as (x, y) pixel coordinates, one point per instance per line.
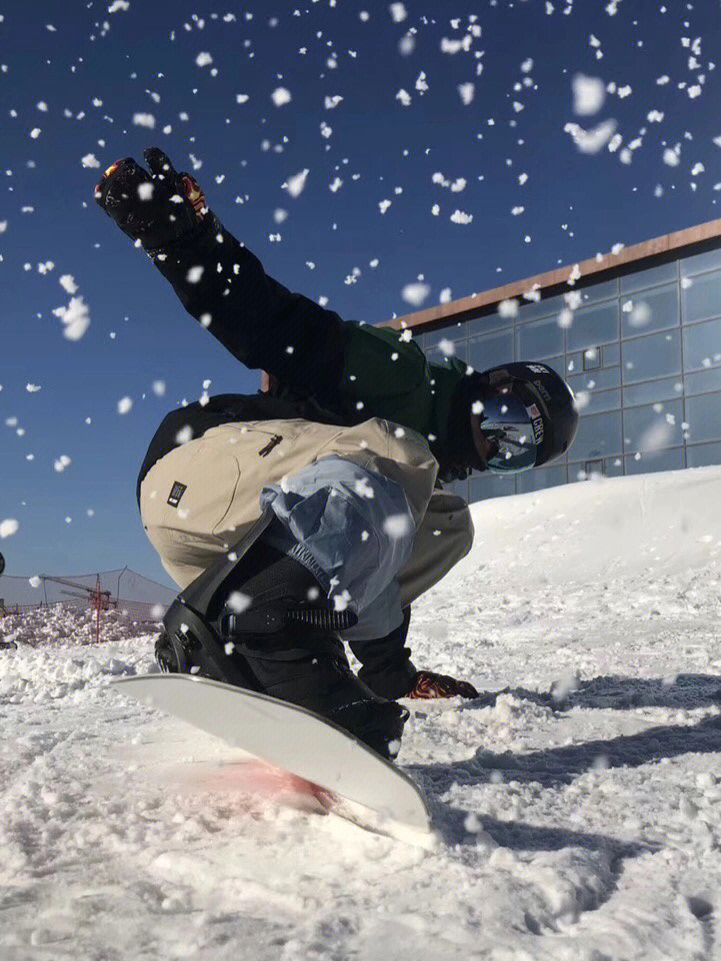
(576, 816)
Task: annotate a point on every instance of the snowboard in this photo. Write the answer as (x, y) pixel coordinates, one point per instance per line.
(337, 764)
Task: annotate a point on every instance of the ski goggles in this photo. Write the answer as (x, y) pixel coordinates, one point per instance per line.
(515, 429)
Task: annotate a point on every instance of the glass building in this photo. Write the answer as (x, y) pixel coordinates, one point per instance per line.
(637, 335)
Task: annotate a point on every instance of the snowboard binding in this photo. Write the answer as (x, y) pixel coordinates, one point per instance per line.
(261, 622)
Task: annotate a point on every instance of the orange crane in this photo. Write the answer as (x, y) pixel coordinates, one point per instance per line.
(99, 599)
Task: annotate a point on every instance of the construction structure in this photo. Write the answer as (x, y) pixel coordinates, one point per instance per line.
(637, 335)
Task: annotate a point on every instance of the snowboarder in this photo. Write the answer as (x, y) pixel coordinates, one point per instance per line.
(311, 513)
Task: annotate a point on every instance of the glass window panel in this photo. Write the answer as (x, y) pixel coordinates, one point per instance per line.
(598, 401)
(597, 292)
(703, 455)
(459, 350)
(702, 345)
(574, 363)
(541, 479)
(703, 414)
(653, 391)
(649, 278)
(543, 339)
(694, 265)
(647, 429)
(486, 324)
(598, 436)
(593, 326)
(611, 354)
(702, 299)
(459, 487)
(657, 355)
(485, 352)
(650, 310)
(453, 332)
(658, 460)
(703, 381)
(530, 310)
(483, 486)
(595, 379)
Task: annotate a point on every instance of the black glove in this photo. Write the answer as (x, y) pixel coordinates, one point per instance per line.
(155, 208)
(429, 685)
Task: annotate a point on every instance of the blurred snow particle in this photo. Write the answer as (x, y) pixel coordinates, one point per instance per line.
(35, 133)
(184, 435)
(466, 92)
(397, 526)
(404, 97)
(589, 94)
(591, 141)
(331, 102)
(203, 59)
(242, 98)
(459, 217)
(32, 388)
(118, 5)
(657, 436)
(508, 308)
(398, 12)
(565, 318)
(280, 96)
(447, 347)
(145, 191)
(384, 205)
(61, 463)
(90, 160)
(445, 296)
(194, 274)
(238, 602)
(671, 157)
(415, 293)
(582, 399)
(279, 215)
(406, 45)
(295, 185)
(124, 405)
(34, 581)
(159, 388)
(640, 314)
(8, 527)
(144, 120)
(75, 317)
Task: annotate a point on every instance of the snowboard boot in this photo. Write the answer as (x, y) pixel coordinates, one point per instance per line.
(262, 622)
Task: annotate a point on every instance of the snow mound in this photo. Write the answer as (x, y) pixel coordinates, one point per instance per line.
(602, 529)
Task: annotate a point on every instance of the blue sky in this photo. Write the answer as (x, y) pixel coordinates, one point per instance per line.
(459, 123)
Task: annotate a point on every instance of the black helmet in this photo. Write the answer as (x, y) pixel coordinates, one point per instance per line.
(529, 413)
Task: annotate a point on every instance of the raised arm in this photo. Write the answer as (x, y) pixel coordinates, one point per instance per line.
(220, 282)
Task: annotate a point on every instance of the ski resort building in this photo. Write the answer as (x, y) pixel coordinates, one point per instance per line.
(637, 335)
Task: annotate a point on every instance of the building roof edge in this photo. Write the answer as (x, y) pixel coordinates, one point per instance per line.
(569, 275)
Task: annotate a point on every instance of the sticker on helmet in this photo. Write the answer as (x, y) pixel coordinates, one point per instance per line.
(536, 423)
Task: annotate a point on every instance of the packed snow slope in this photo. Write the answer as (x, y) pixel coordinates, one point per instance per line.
(576, 815)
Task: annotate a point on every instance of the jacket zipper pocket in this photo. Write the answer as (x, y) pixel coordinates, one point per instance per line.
(273, 442)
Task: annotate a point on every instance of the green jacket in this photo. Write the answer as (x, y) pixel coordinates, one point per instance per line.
(321, 367)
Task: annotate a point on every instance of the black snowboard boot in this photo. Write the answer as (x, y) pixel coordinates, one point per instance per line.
(263, 622)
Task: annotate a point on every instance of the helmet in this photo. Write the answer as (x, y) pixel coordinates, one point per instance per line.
(529, 415)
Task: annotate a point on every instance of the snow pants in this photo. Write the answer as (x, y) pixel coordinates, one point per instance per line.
(356, 505)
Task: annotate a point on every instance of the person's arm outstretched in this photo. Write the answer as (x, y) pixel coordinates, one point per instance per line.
(220, 282)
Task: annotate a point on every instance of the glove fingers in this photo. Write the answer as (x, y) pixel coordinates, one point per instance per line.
(159, 163)
(119, 178)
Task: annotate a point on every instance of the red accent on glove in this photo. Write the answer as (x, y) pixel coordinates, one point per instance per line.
(431, 685)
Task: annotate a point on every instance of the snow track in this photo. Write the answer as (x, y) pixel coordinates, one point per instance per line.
(576, 814)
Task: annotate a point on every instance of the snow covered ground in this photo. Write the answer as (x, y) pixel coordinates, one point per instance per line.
(577, 815)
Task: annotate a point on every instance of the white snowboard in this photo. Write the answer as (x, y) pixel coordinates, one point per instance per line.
(289, 737)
